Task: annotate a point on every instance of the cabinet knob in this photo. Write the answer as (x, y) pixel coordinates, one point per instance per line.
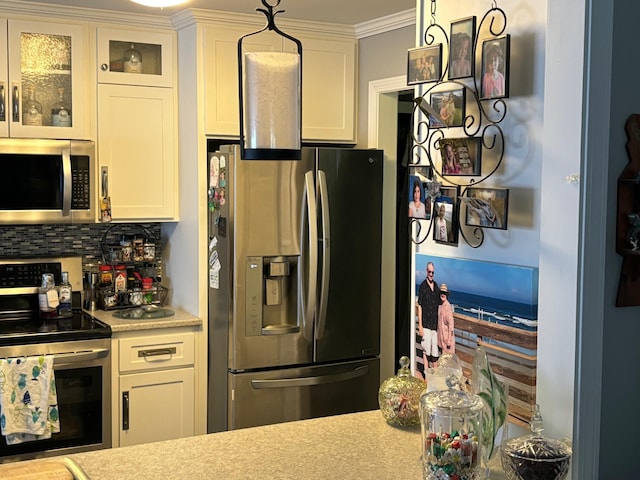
(104, 67)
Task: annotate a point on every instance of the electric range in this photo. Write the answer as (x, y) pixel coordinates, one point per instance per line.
(20, 321)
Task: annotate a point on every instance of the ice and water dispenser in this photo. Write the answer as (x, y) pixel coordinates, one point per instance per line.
(271, 295)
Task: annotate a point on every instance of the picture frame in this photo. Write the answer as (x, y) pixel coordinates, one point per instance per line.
(419, 207)
(424, 64)
(462, 40)
(461, 156)
(451, 106)
(487, 207)
(445, 216)
(495, 68)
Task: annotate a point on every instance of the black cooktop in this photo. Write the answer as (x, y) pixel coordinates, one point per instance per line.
(24, 331)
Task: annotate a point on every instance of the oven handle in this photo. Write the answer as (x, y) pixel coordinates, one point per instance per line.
(83, 356)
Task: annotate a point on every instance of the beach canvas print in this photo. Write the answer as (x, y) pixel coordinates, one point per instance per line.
(496, 293)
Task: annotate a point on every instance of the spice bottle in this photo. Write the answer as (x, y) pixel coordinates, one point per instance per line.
(120, 279)
(106, 274)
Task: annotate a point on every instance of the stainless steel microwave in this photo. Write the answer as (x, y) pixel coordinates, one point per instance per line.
(47, 181)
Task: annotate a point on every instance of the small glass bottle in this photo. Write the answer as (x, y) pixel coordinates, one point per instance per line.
(132, 60)
(120, 280)
(65, 295)
(60, 112)
(48, 296)
(32, 109)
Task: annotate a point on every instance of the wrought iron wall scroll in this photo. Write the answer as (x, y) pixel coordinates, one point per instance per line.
(483, 110)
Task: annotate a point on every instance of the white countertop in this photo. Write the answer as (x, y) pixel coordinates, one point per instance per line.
(179, 319)
(354, 446)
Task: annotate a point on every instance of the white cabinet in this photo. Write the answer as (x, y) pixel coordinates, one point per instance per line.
(328, 82)
(155, 397)
(153, 62)
(43, 79)
(137, 125)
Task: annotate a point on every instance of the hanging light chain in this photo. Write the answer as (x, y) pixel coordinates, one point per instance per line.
(433, 12)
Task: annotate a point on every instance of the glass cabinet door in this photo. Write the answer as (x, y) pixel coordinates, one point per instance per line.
(135, 58)
(46, 80)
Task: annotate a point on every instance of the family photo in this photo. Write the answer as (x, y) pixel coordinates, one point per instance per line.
(461, 61)
(495, 68)
(450, 105)
(461, 156)
(445, 223)
(487, 207)
(424, 64)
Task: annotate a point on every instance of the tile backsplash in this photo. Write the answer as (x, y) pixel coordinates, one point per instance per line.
(21, 241)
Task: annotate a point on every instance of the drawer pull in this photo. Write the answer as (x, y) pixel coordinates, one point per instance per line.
(157, 351)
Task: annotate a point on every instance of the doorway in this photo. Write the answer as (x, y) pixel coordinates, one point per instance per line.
(389, 117)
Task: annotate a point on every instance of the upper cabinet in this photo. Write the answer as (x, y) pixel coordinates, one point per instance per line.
(137, 123)
(135, 57)
(43, 80)
(329, 64)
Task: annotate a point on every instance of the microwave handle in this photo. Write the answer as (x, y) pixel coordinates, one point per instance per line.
(66, 182)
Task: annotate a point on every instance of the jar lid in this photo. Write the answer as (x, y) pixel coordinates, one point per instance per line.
(104, 268)
(453, 399)
(536, 446)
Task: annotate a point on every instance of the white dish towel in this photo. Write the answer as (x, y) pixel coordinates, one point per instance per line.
(28, 400)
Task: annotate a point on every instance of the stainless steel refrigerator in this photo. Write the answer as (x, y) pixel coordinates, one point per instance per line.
(294, 286)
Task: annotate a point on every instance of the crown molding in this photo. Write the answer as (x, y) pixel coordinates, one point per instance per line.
(386, 24)
(193, 16)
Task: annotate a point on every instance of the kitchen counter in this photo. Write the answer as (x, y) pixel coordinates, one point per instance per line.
(354, 446)
(179, 319)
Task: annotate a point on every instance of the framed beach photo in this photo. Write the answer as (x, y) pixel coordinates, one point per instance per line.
(461, 156)
(495, 68)
(450, 105)
(445, 216)
(419, 201)
(487, 207)
(462, 40)
(424, 64)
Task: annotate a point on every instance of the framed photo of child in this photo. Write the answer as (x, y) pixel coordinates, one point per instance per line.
(462, 38)
(450, 105)
(461, 156)
(495, 68)
(445, 220)
(487, 207)
(424, 64)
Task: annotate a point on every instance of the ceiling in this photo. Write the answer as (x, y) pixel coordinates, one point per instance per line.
(349, 12)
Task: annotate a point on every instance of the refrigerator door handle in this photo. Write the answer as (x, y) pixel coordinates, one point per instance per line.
(323, 197)
(311, 381)
(309, 225)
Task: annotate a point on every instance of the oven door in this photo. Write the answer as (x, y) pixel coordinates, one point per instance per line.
(83, 383)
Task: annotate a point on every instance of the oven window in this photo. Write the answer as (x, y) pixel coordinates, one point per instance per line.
(31, 182)
(80, 403)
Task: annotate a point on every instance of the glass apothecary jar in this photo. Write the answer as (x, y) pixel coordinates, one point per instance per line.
(535, 456)
(451, 427)
(399, 397)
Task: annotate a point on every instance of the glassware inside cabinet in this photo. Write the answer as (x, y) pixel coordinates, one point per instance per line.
(135, 57)
(45, 71)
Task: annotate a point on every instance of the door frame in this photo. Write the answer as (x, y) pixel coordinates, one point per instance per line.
(382, 133)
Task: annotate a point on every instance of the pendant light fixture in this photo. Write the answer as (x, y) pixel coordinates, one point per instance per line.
(270, 89)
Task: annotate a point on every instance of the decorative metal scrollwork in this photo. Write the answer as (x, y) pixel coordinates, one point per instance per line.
(482, 120)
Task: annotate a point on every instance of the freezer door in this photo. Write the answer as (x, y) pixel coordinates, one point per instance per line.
(350, 232)
(263, 398)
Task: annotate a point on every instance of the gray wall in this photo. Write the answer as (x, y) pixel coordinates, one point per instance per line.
(621, 328)
(380, 56)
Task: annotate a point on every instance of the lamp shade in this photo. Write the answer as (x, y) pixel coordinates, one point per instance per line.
(270, 93)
